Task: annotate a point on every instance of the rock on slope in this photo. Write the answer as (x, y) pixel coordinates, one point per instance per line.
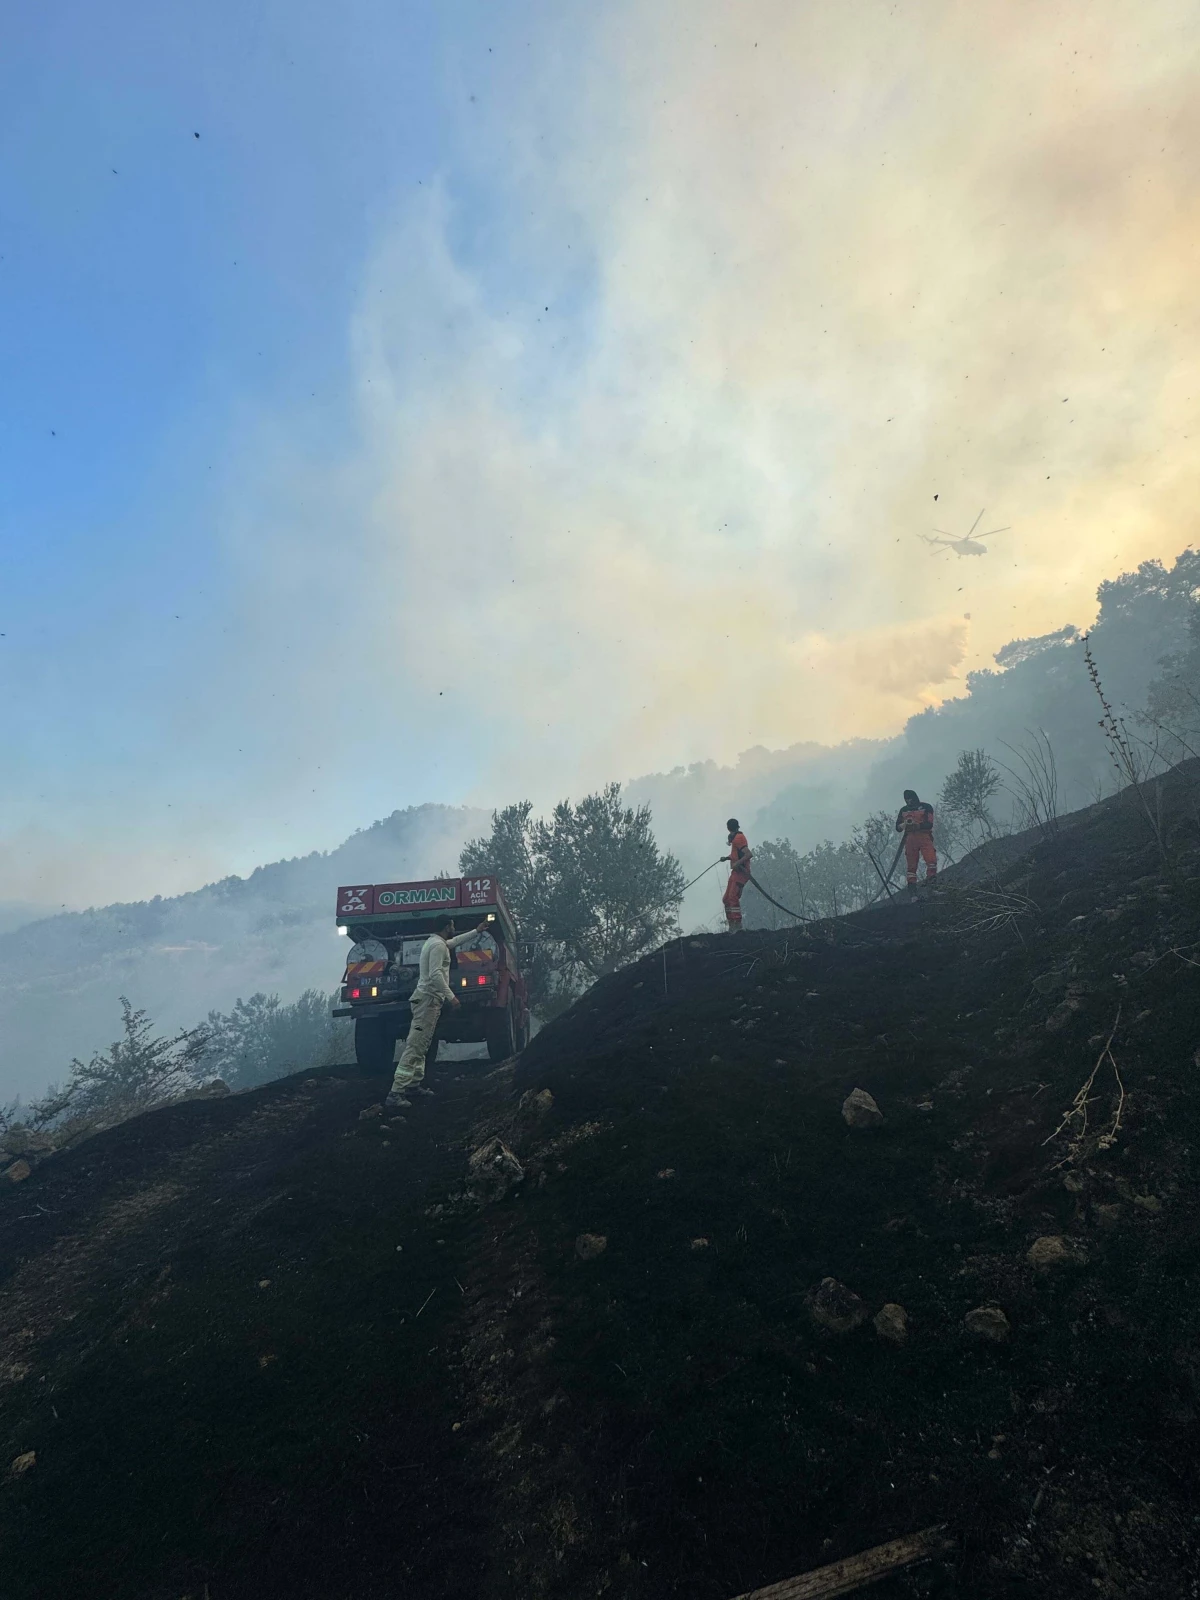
(272, 1347)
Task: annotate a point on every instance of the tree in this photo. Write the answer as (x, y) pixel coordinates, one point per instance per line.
(827, 881)
(1173, 699)
(963, 803)
(608, 894)
(777, 866)
(261, 1039)
(589, 886)
(508, 851)
(136, 1071)
(835, 878)
(875, 838)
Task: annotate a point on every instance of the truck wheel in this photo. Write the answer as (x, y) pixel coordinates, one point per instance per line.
(374, 1044)
(501, 1042)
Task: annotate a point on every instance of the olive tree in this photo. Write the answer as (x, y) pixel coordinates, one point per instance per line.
(963, 806)
(262, 1038)
(589, 886)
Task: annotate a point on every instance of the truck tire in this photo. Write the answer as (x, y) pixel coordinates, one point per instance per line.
(374, 1043)
(501, 1035)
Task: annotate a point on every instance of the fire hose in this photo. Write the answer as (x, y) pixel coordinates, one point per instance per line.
(703, 874)
(887, 882)
(799, 916)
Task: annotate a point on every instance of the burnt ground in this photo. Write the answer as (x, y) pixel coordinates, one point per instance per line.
(262, 1347)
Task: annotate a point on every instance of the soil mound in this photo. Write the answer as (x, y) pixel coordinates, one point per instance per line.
(680, 1328)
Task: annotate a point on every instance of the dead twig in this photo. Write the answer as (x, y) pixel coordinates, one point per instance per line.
(1126, 764)
(1075, 1118)
(426, 1301)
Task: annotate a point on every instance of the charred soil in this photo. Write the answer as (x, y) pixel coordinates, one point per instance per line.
(268, 1346)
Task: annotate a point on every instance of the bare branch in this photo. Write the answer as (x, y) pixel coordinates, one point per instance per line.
(1122, 754)
(1075, 1119)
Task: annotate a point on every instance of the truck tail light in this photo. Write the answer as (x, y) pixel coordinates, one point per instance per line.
(481, 979)
(356, 994)
(374, 992)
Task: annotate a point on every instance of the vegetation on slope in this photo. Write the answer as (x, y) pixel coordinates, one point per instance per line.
(228, 1374)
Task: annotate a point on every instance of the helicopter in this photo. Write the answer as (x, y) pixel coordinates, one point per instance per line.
(969, 545)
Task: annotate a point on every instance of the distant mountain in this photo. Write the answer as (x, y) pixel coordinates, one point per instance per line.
(16, 913)
(60, 977)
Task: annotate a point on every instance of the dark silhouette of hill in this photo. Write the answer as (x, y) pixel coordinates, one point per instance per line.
(266, 1346)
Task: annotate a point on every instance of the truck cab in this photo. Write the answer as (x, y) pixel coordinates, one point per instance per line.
(388, 923)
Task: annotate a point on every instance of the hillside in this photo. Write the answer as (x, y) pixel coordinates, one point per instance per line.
(180, 957)
(60, 977)
(268, 1346)
(1039, 687)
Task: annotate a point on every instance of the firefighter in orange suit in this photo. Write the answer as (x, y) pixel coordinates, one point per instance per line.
(739, 875)
(915, 822)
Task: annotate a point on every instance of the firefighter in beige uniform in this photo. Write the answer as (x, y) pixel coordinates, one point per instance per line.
(432, 992)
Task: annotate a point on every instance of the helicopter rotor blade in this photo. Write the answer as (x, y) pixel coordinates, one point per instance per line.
(994, 530)
(976, 523)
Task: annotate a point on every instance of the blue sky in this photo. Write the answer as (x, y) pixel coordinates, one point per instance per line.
(160, 290)
(495, 399)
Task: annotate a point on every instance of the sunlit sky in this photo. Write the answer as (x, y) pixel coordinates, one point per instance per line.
(495, 399)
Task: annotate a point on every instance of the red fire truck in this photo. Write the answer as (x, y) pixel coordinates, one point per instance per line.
(387, 923)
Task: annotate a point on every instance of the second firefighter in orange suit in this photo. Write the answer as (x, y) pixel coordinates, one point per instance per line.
(739, 875)
(915, 822)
